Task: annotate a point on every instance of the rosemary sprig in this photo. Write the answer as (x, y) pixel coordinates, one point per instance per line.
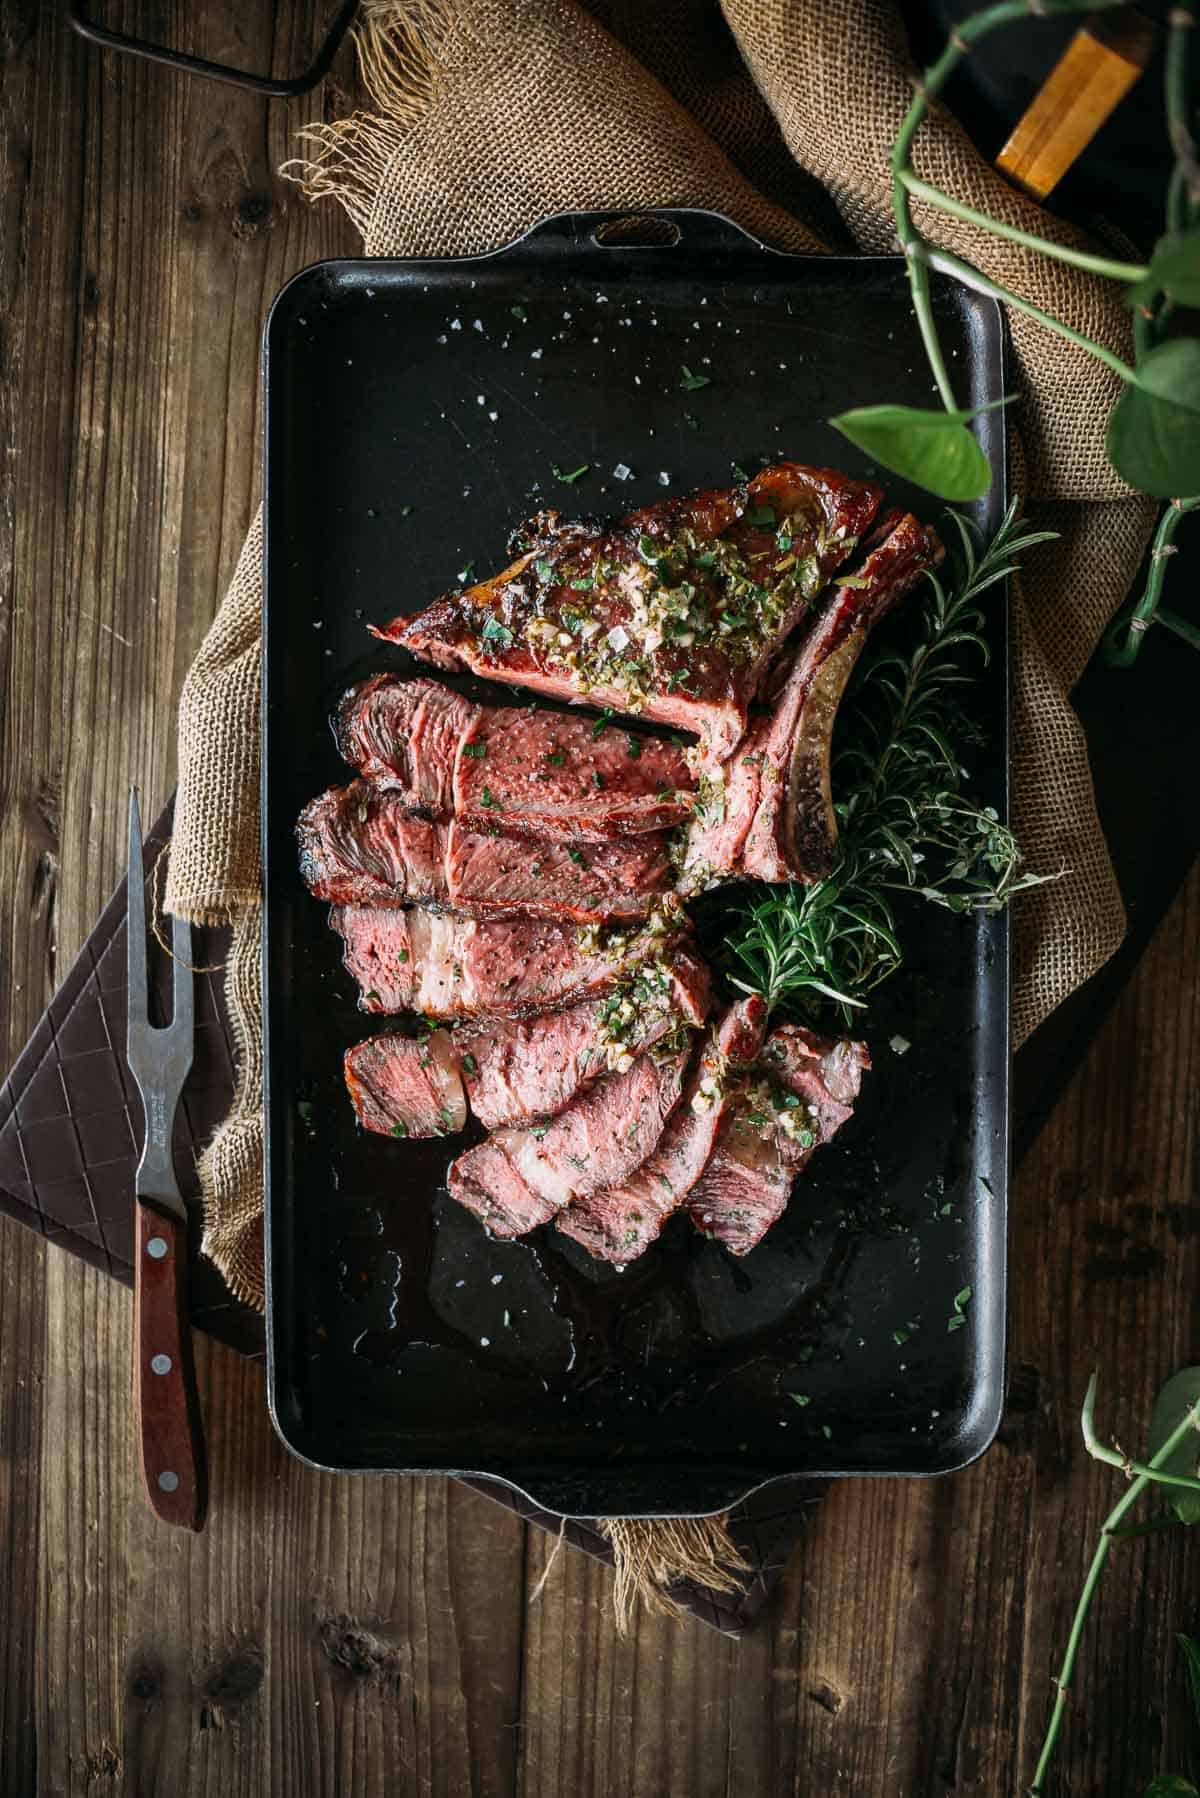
(905, 823)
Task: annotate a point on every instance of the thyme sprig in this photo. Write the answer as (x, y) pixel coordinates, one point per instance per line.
(906, 825)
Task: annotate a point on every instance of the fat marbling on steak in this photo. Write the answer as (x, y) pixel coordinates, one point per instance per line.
(515, 1070)
(673, 613)
(542, 773)
(521, 1177)
(767, 813)
(452, 967)
(361, 845)
(800, 1095)
(619, 1222)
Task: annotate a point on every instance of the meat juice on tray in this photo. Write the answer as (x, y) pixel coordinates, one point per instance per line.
(510, 882)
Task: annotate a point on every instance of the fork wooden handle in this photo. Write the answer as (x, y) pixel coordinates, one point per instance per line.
(166, 1402)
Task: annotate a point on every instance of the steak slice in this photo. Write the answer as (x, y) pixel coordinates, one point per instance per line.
(452, 967)
(803, 1092)
(538, 772)
(768, 813)
(620, 1222)
(360, 845)
(674, 612)
(516, 1070)
(520, 1178)
(407, 1086)
(405, 734)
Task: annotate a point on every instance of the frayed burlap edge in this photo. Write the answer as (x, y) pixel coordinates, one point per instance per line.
(397, 48)
(653, 1554)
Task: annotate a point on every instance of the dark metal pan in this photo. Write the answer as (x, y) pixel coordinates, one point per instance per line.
(415, 411)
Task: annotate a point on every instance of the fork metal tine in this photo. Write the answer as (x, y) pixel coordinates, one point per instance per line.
(136, 928)
(183, 990)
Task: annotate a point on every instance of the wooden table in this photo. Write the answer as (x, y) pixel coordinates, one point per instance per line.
(348, 1636)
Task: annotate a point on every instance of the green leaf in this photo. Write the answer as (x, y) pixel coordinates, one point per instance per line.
(1191, 1660)
(1153, 436)
(1171, 1785)
(1174, 270)
(1180, 1391)
(933, 449)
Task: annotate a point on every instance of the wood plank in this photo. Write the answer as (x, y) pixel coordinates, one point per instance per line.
(343, 1636)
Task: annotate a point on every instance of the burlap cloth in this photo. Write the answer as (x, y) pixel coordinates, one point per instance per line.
(486, 115)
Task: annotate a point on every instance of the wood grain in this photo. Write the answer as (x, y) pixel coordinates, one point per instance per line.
(350, 1636)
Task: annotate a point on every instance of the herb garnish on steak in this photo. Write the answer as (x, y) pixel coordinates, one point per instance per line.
(674, 613)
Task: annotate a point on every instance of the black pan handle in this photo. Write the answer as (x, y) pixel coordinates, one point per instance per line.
(639, 233)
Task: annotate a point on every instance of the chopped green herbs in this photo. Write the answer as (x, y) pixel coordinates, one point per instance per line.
(761, 515)
(576, 855)
(544, 570)
(556, 757)
(634, 745)
(560, 474)
(597, 778)
(477, 751)
(488, 799)
(519, 313)
(466, 573)
(738, 472)
(961, 1301)
(495, 632)
(400, 1129)
(584, 584)
(601, 721)
(401, 957)
(470, 1065)
(690, 382)
(800, 1398)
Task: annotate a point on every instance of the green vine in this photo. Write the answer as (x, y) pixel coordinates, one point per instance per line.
(1154, 430)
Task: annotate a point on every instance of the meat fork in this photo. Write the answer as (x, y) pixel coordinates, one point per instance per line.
(166, 1403)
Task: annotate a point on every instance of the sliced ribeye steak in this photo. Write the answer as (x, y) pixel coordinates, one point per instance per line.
(452, 967)
(528, 769)
(406, 1086)
(515, 1070)
(620, 1222)
(360, 845)
(520, 1178)
(674, 613)
(800, 1095)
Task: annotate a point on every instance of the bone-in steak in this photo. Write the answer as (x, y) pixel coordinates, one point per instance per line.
(673, 613)
(768, 812)
(528, 769)
(360, 845)
(519, 1178)
(620, 1222)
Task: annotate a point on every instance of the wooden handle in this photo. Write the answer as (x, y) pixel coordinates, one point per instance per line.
(166, 1403)
(1094, 73)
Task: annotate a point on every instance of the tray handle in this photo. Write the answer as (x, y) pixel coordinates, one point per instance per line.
(635, 231)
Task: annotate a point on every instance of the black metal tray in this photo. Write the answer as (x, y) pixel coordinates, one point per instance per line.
(414, 412)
